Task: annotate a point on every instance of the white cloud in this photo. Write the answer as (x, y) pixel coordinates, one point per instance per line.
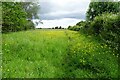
(62, 12)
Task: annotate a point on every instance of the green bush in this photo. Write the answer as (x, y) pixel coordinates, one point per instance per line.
(85, 27)
(111, 30)
(96, 25)
(76, 28)
(82, 25)
(107, 28)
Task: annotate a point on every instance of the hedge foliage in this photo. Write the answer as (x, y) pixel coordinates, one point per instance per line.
(105, 26)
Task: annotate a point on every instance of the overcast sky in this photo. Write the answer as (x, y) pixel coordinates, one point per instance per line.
(62, 12)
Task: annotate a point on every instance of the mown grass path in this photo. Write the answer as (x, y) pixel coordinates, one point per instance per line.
(56, 54)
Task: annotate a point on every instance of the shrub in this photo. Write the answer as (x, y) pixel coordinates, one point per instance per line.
(110, 33)
(107, 28)
(78, 26)
(96, 25)
(70, 27)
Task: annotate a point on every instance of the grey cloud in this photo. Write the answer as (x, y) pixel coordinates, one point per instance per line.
(48, 7)
(68, 15)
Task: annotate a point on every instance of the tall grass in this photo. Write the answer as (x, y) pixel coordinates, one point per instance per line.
(34, 54)
(56, 54)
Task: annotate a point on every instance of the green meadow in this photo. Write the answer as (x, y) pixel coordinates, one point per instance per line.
(56, 54)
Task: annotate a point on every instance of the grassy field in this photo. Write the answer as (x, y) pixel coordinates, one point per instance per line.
(56, 54)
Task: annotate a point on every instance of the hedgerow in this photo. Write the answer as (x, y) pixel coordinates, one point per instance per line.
(108, 29)
(105, 26)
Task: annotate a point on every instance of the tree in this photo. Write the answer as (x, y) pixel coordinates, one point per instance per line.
(60, 27)
(97, 8)
(17, 16)
(56, 27)
(31, 9)
(69, 27)
(13, 17)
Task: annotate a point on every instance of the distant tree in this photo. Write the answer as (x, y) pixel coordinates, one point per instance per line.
(69, 27)
(39, 28)
(60, 27)
(97, 7)
(56, 27)
(52, 27)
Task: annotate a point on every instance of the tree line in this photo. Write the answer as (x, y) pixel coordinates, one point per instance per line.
(17, 16)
